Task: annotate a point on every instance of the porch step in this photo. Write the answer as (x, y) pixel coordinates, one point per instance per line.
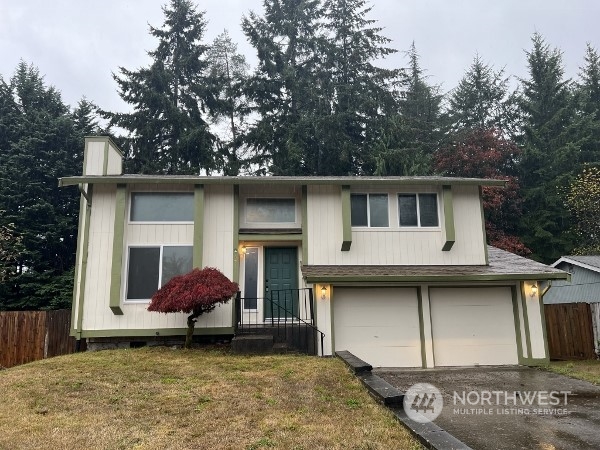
(252, 343)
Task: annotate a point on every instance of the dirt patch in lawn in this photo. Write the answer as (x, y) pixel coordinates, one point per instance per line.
(164, 398)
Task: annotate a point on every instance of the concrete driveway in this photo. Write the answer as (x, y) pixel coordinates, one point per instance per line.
(548, 411)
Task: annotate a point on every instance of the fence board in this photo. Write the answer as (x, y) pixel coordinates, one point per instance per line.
(569, 330)
(27, 336)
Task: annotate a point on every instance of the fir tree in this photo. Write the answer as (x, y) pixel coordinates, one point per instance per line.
(168, 130)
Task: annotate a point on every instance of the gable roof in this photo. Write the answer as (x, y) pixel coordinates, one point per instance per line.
(591, 262)
(350, 180)
(503, 265)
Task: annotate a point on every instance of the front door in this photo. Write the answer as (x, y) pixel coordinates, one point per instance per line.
(281, 282)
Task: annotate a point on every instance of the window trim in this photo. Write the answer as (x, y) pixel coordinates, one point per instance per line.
(418, 203)
(369, 226)
(130, 221)
(160, 268)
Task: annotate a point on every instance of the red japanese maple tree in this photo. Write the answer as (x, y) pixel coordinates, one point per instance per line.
(197, 292)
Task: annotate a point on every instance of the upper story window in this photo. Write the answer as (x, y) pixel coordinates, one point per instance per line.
(162, 207)
(369, 210)
(271, 210)
(418, 210)
(150, 268)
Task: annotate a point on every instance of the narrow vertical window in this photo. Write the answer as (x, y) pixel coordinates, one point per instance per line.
(251, 278)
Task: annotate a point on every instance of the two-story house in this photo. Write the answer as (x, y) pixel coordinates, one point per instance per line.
(398, 267)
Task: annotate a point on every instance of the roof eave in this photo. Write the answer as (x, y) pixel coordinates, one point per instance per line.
(355, 181)
(566, 259)
(437, 278)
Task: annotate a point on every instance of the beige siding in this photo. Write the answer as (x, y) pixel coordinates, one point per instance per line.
(96, 313)
(534, 316)
(393, 245)
(94, 158)
(218, 248)
(218, 245)
(115, 161)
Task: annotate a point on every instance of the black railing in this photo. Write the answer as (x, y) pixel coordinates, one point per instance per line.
(288, 314)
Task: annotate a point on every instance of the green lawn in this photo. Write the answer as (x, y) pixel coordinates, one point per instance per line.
(160, 398)
(588, 370)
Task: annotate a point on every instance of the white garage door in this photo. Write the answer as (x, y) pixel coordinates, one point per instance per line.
(472, 326)
(379, 325)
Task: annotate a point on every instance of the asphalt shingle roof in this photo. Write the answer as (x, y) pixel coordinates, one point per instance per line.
(503, 265)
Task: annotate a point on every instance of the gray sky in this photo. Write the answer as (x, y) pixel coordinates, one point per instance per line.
(76, 44)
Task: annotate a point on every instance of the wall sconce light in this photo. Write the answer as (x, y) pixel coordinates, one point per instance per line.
(243, 250)
(534, 290)
(323, 293)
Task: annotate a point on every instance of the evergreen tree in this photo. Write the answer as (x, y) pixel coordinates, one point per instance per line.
(230, 70)
(38, 144)
(285, 90)
(168, 130)
(360, 93)
(551, 152)
(588, 107)
(481, 100)
(414, 132)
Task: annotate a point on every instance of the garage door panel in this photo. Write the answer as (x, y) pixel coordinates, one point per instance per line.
(379, 325)
(473, 326)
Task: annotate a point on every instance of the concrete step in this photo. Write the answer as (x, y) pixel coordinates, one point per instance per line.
(280, 348)
(252, 343)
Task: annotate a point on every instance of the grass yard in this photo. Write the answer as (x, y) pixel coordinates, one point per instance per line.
(160, 398)
(584, 370)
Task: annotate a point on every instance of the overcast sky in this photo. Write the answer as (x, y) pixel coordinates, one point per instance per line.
(77, 44)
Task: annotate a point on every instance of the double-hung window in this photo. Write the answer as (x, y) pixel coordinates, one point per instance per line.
(418, 210)
(152, 267)
(369, 210)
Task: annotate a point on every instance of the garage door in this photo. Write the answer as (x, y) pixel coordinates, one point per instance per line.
(472, 326)
(379, 325)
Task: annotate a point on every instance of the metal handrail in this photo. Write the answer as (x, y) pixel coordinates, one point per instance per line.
(293, 319)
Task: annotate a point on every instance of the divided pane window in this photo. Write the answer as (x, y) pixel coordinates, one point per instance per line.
(369, 210)
(162, 207)
(152, 267)
(274, 210)
(418, 210)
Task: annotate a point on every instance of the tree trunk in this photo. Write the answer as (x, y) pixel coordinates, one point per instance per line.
(191, 322)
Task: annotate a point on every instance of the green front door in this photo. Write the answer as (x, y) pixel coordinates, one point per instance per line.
(281, 282)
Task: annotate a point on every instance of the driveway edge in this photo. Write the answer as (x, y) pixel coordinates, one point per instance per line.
(428, 434)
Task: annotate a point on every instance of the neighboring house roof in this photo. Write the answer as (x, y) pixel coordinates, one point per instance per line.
(591, 262)
(192, 179)
(502, 266)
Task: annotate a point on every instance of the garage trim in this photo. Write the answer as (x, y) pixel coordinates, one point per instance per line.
(422, 327)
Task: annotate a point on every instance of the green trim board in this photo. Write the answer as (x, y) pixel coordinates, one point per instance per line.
(448, 205)
(154, 332)
(422, 327)
(526, 321)
(105, 159)
(517, 320)
(544, 331)
(117, 253)
(427, 278)
(236, 243)
(270, 237)
(280, 180)
(304, 224)
(346, 219)
(198, 226)
(332, 322)
(78, 252)
(483, 232)
(76, 329)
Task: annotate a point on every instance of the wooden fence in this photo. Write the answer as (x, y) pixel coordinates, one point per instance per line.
(570, 331)
(27, 336)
